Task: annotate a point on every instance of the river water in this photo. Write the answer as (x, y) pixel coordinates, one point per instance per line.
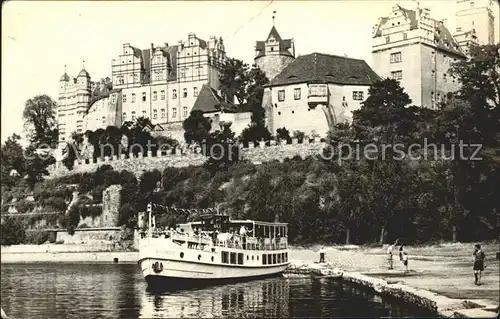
(119, 291)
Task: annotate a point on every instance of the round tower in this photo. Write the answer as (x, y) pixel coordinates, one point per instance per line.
(274, 54)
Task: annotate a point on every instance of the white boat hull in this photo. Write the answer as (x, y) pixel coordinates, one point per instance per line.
(161, 259)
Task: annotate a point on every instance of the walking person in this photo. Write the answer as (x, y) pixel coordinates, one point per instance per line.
(478, 256)
(390, 250)
(404, 258)
(322, 255)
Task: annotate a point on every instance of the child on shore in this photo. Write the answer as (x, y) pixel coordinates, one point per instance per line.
(404, 258)
(322, 255)
(478, 257)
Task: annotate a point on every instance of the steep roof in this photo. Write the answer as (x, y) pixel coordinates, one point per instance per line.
(209, 101)
(64, 77)
(442, 36)
(319, 67)
(284, 45)
(84, 73)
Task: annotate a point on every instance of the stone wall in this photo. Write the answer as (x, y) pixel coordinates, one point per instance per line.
(90, 236)
(190, 156)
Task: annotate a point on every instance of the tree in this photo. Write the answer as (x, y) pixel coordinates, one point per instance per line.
(256, 79)
(12, 231)
(12, 160)
(283, 134)
(234, 79)
(480, 86)
(222, 151)
(383, 110)
(196, 127)
(39, 118)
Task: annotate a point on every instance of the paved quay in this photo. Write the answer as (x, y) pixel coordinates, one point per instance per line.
(440, 276)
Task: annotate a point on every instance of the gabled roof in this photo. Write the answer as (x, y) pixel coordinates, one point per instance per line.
(209, 101)
(284, 45)
(325, 68)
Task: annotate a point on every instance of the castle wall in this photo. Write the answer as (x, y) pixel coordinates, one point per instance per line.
(256, 153)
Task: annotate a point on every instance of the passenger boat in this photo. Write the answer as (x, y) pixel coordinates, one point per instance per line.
(214, 248)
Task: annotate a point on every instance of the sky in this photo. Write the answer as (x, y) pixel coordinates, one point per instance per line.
(40, 37)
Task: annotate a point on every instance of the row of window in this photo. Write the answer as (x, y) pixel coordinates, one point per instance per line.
(317, 91)
(388, 38)
(163, 113)
(271, 259)
(155, 95)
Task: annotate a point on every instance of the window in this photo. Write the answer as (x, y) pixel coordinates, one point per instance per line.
(225, 257)
(198, 70)
(397, 75)
(357, 95)
(131, 78)
(264, 260)
(174, 93)
(269, 259)
(183, 73)
(281, 95)
(113, 98)
(296, 94)
(184, 93)
(459, 29)
(195, 91)
(174, 112)
(136, 78)
(163, 115)
(184, 111)
(405, 35)
(344, 102)
(240, 259)
(133, 115)
(103, 120)
(158, 75)
(162, 94)
(124, 98)
(155, 114)
(232, 258)
(121, 80)
(387, 39)
(124, 116)
(143, 96)
(317, 90)
(155, 95)
(274, 259)
(133, 98)
(396, 57)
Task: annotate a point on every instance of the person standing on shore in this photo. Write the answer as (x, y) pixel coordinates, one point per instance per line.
(390, 250)
(322, 255)
(478, 257)
(404, 258)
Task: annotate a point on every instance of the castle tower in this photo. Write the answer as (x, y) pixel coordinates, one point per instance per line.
(417, 50)
(480, 17)
(274, 54)
(74, 97)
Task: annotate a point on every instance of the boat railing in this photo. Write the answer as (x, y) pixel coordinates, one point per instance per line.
(253, 243)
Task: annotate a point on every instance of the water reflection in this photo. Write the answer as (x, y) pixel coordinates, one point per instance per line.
(69, 291)
(263, 298)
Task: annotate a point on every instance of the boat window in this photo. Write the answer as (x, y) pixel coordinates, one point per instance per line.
(240, 259)
(252, 257)
(212, 258)
(225, 257)
(257, 257)
(248, 257)
(279, 258)
(286, 256)
(269, 259)
(182, 255)
(264, 260)
(232, 258)
(274, 258)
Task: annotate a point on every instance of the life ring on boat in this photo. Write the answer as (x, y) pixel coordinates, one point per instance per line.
(157, 267)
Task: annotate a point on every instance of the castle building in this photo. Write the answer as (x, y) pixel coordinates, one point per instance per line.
(274, 54)
(417, 50)
(315, 92)
(161, 83)
(480, 17)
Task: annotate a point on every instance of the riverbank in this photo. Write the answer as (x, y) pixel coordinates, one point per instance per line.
(440, 276)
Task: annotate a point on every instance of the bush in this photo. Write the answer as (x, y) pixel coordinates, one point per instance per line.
(13, 232)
